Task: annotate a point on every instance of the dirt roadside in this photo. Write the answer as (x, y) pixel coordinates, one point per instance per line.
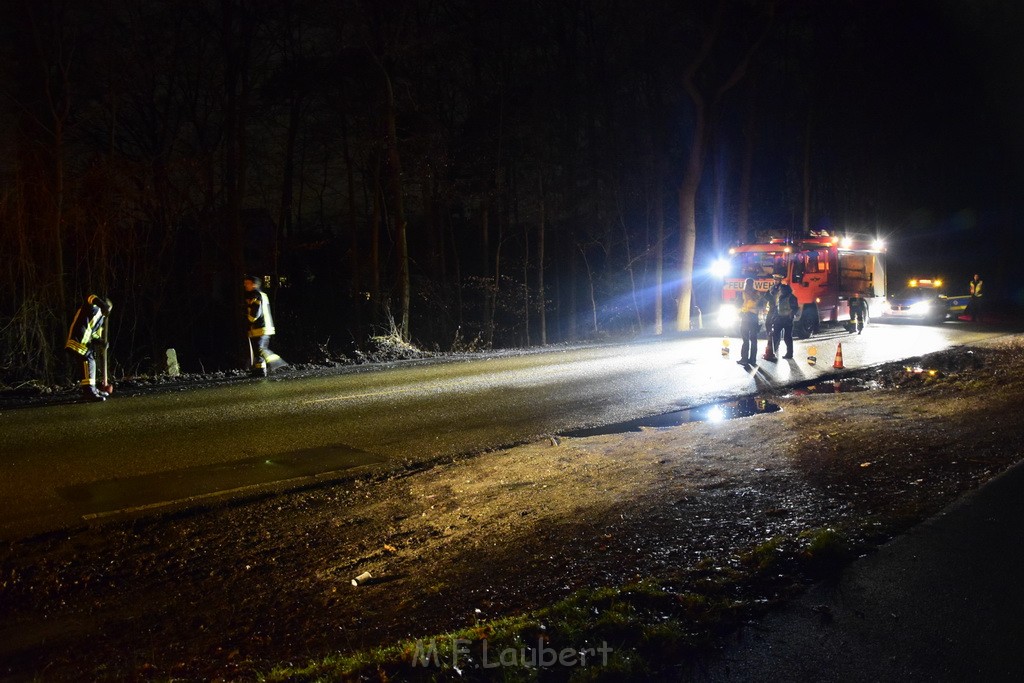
(229, 592)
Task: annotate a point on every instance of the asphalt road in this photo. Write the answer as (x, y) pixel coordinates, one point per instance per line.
(939, 603)
(71, 464)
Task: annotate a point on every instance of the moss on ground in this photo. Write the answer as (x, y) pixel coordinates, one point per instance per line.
(637, 632)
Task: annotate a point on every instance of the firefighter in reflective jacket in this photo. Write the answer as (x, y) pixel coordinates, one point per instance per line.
(858, 311)
(261, 328)
(84, 338)
(974, 305)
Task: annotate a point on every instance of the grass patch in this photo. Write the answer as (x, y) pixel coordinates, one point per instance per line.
(766, 555)
(637, 632)
(825, 551)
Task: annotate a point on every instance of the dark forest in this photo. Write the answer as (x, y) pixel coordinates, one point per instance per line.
(469, 174)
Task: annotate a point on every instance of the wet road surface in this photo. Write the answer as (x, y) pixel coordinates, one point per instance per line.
(939, 603)
(69, 464)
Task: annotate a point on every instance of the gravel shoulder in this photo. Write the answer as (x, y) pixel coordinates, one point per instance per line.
(231, 591)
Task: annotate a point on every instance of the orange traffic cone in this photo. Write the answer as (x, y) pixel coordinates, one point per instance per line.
(838, 364)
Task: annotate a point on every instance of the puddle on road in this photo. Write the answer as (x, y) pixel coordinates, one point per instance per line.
(834, 386)
(191, 482)
(715, 412)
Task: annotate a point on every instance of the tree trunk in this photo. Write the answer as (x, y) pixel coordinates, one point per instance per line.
(747, 170)
(629, 269)
(704, 110)
(688, 217)
(659, 262)
(437, 209)
(526, 270)
(590, 289)
(284, 221)
(375, 222)
(497, 278)
(58, 210)
(573, 331)
(398, 211)
(488, 321)
(807, 176)
(236, 47)
(540, 271)
(720, 174)
(353, 229)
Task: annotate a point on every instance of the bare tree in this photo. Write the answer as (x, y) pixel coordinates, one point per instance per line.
(705, 92)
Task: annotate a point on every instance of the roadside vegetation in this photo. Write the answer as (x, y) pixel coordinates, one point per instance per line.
(639, 631)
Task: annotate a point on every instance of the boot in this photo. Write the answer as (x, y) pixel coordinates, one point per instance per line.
(91, 394)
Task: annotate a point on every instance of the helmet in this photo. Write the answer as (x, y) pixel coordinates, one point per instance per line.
(105, 304)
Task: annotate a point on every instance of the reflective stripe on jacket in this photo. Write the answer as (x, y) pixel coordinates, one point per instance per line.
(85, 328)
(975, 288)
(261, 322)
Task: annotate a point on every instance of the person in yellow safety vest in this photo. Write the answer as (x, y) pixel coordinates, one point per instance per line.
(974, 305)
(750, 305)
(84, 337)
(261, 329)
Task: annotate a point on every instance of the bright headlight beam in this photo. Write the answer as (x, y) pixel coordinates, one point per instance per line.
(727, 315)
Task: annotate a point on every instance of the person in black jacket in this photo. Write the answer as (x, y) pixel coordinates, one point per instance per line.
(858, 311)
(261, 329)
(771, 300)
(85, 337)
(785, 306)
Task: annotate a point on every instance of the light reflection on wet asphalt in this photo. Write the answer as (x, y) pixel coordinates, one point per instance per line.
(408, 412)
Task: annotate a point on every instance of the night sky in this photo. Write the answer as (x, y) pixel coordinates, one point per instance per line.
(917, 119)
(522, 152)
(934, 110)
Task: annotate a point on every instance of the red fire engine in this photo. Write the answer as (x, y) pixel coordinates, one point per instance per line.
(822, 269)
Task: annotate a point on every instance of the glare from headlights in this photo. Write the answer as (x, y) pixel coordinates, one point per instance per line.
(720, 268)
(728, 315)
(920, 307)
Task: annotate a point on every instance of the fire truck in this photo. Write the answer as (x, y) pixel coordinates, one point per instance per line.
(822, 269)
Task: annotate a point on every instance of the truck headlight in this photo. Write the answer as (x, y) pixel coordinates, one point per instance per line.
(728, 315)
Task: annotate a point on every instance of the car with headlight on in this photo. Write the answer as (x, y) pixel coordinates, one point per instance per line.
(922, 300)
